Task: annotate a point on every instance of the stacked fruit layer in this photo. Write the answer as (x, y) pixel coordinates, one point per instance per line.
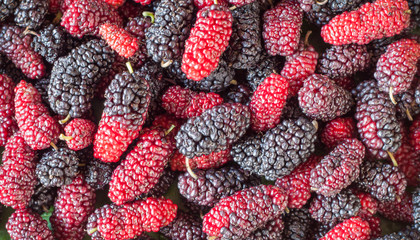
(210, 119)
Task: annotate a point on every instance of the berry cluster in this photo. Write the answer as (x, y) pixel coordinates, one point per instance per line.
(210, 119)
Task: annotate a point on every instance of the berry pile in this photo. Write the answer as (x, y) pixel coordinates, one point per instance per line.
(209, 119)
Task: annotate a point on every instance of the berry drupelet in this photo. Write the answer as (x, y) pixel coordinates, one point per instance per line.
(127, 102)
(337, 130)
(298, 225)
(7, 109)
(7, 8)
(320, 98)
(354, 228)
(267, 102)
(42, 199)
(267, 66)
(214, 27)
(416, 208)
(31, 13)
(167, 35)
(212, 185)
(382, 18)
(79, 133)
(281, 29)
(297, 183)
(401, 209)
(151, 154)
(377, 122)
(119, 39)
(38, 128)
(17, 173)
(17, 47)
(383, 181)
(245, 48)
(74, 77)
(334, 209)
(25, 224)
(98, 174)
(339, 168)
(57, 167)
(343, 61)
(83, 17)
(397, 67)
(215, 159)
(213, 130)
(271, 230)
(184, 227)
(237, 216)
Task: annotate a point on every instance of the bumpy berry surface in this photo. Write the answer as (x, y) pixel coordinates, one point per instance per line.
(271, 230)
(98, 174)
(369, 205)
(83, 17)
(212, 185)
(213, 26)
(383, 181)
(213, 130)
(264, 68)
(167, 178)
(409, 233)
(398, 210)
(151, 155)
(17, 47)
(42, 199)
(382, 18)
(70, 214)
(74, 77)
(343, 61)
(377, 124)
(299, 66)
(339, 168)
(205, 3)
(416, 208)
(354, 228)
(321, 14)
(184, 227)
(127, 101)
(81, 132)
(336, 208)
(17, 173)
(414, 134)
(119, 39)
(217, 81)
(297, 184)
(322, 99)
(131, 219)
(184, 103)
(57, 167)
(166, 37)
(408, 160)
(279, 150)
(7, 109)
(237, 216)
(281, 31)
(38, 128)
(397, 66)
(25, 224)
(31, 13)
(7, 8)
(406, 104)
(212, 160)
(267, 102)
(298, 225)
(335, 131)
(245, 48)
(239, 94)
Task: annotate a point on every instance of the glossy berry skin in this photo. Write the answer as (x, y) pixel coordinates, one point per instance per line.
(83, 17)
(400, 210)
(240, 3)
(339, 168)
(184, 227)
(267, 102)
(338, 130)
(131, 219)
(299, 66)
(25, 224)
(81, 132)
(214, 28)
(369, 205)
(119, 39)
(382, 18)
(115, 3)
(17, 47)
(354, 228)
(237, 216)
(297, 184)
(200, 4)
(38, 128)
(397, 67)
(320, 98)
(7, 110)
(408, 159)
(281, 29)
(151, 156)
(17, 173)
(70, 216)
(414, 134)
